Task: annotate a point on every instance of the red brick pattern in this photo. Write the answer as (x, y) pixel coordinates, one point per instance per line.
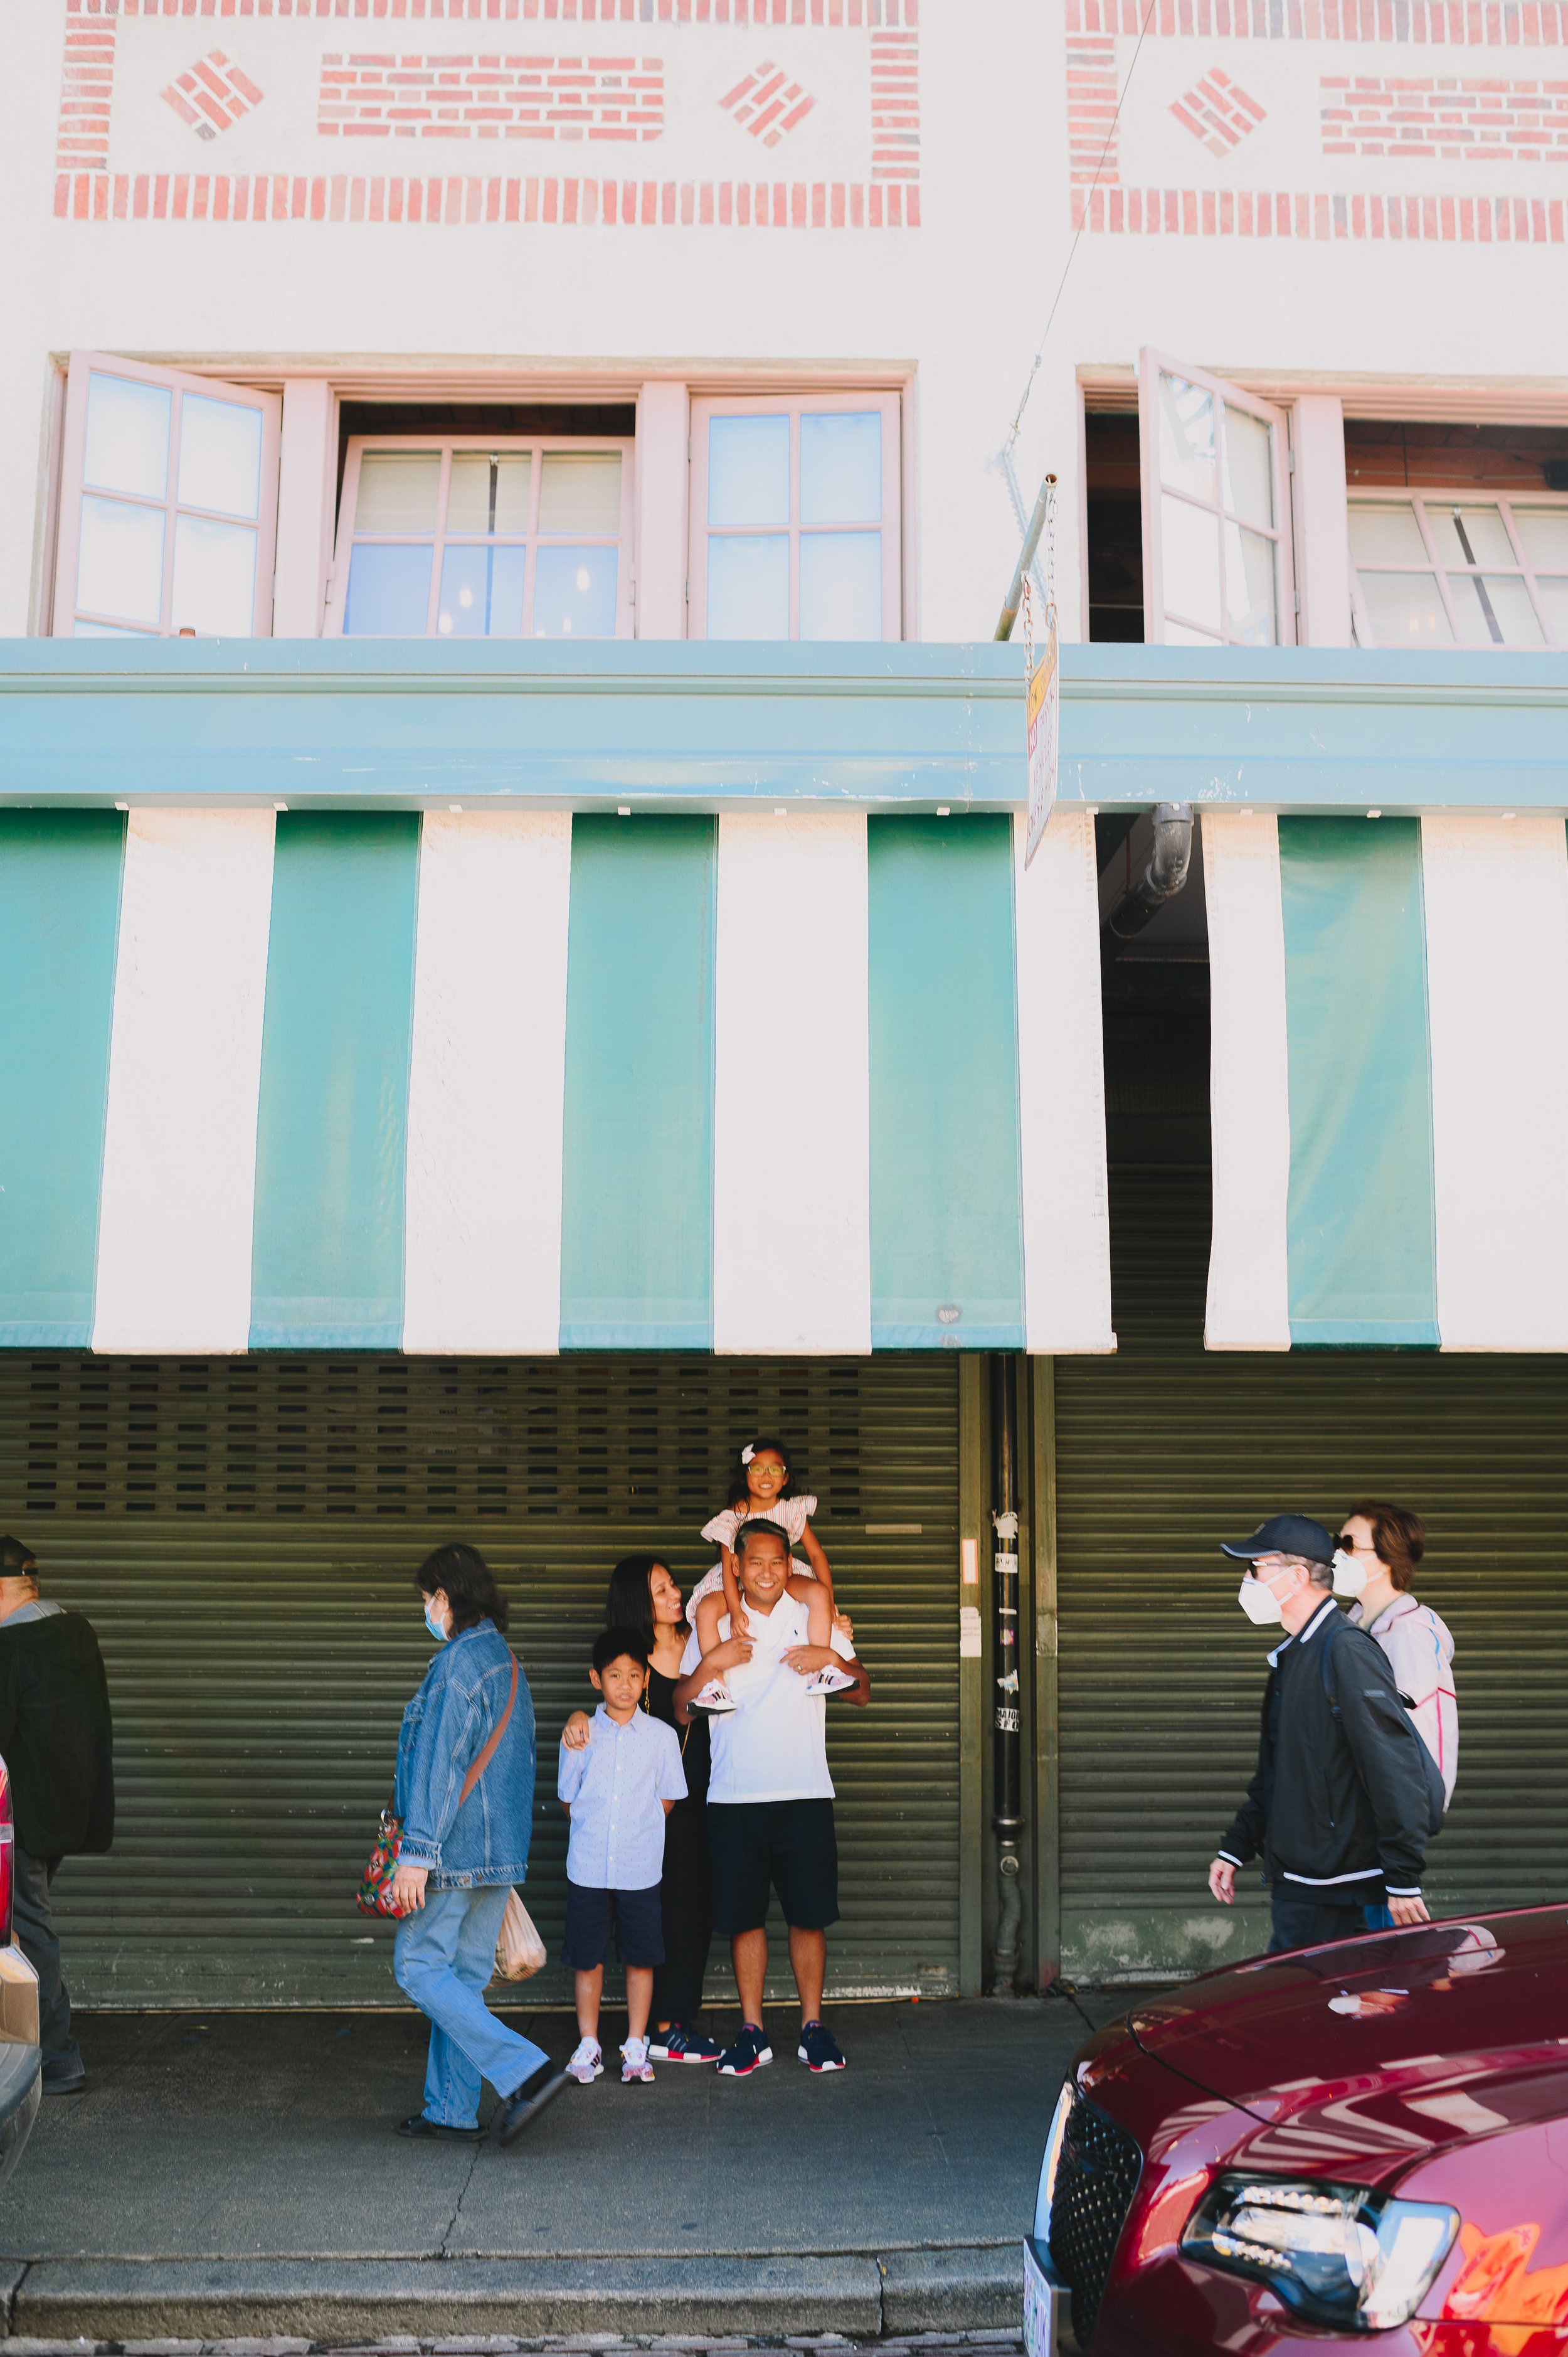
(1452, 24)
(1091, 108)
(1488, 121)
(1217, 112)
(85, 189)
(87, 90)
(212, 95)
(767, 104)
(379, 94)
(1210, 212)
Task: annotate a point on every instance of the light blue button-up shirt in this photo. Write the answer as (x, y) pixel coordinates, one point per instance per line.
(616, 1788)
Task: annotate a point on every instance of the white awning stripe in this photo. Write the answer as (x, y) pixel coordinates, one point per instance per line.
(179, 1148)
(485, 1085)
(1248, 1288)
(1061, 1091)
(791, 1087)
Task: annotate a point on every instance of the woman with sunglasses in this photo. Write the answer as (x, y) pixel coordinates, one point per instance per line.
(1374, 1564)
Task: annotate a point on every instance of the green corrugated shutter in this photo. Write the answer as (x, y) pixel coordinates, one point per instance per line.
(242, 1533)
(1165, 1450)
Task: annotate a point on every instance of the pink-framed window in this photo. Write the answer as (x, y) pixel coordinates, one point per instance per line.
(795, 517)
(1218, 567)
(168, 504)
(1444, 569)
(469, 536)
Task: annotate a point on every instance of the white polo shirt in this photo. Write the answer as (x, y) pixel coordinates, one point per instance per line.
(773, 1745)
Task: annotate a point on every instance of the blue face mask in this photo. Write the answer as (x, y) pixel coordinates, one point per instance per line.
(437, 1630)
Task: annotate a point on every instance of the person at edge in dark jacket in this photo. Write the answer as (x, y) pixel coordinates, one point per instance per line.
(1338, 1805)
(56, 1740)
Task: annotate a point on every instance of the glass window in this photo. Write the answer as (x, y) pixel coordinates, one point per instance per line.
(1428, 571)
(795, 518)
(1210, 474)
(456, 539)
(167, 504)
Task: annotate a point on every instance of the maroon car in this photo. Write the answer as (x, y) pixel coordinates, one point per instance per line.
(1369, 2138)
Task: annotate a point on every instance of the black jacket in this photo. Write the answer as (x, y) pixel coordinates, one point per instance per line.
(1334, 1796)
(56, 1735)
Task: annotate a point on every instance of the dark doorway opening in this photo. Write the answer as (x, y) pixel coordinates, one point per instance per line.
(1115, 526)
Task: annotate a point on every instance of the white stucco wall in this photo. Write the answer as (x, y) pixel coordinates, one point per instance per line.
(957, 303)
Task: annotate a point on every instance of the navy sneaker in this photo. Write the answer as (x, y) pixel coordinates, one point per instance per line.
(818, 2048)
(678, 2045)
(749, 2053)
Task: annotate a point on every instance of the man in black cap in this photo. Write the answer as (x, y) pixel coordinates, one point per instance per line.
(57, 1741)
(1338, 1807)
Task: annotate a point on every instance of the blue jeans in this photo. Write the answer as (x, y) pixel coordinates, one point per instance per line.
(444, 1959)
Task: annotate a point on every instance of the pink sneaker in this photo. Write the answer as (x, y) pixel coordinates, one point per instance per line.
(634, 2062)
(829, 1682)
(715, 1697)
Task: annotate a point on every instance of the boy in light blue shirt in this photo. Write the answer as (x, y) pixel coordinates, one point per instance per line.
(617, 1790)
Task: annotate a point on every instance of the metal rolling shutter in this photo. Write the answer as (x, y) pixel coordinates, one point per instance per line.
(242, 1533)
(1165, 1450)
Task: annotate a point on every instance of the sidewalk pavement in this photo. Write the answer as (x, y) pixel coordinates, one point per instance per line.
(236, 2174)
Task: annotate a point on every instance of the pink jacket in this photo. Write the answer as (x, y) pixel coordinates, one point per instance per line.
(1421, 1651)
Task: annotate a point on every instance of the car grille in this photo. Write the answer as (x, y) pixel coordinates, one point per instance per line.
(1096, 2180)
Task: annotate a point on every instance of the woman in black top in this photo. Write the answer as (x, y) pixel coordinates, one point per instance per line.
(644, 1595)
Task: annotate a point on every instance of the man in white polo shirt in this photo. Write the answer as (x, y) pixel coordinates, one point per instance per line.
(770, 1798)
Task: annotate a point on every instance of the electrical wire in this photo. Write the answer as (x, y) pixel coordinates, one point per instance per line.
(1077, 234)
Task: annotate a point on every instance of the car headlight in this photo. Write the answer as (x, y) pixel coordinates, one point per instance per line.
(1335, 2253)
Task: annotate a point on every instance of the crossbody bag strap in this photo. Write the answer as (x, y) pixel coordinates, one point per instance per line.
(489, 1753)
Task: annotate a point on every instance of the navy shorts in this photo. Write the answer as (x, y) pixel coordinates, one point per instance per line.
(790, 1843)
(639, 1929)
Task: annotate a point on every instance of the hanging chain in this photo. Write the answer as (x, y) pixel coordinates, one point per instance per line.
(1050, 559)
(1029, 632)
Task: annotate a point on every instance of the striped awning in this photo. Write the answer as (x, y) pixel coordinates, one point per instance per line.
(1391, 1134)
(508, 1081)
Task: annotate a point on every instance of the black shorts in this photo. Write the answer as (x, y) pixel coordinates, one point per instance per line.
(790, 1844)
(639, 1929)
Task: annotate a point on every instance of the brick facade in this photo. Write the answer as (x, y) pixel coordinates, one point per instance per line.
(1476, 121)
(382, 94)
(1437, 23)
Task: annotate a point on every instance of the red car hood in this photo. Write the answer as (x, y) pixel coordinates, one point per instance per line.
(1382, 2050)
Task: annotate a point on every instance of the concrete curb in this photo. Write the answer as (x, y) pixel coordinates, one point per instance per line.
(361, 2300)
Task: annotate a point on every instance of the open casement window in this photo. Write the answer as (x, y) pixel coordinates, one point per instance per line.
(1216, 487)
(168, 504)
(1430, 569)
(463, 536)
(795, 518)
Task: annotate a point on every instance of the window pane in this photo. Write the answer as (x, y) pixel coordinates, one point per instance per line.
(840, 469)
(127, 435)
(1386, 535)
(478, 479)
(575, 593)
(580, 494)
(1178, 635)
(398, 490)
(1249, 466)
(120, 560)
(1249, 587)
(219, 456)
(481, 593)
(1554, 597)
(1470, 535)
(389, 592)
(749, 585)
(1405, 610)
(107, 630)
(1545, 533)
(1494, 610)
(1190, 558)
(841, 585)
(748, 473)
(214, 577)
(1187, 437)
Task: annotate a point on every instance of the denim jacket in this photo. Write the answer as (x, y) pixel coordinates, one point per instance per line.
(445, 1728)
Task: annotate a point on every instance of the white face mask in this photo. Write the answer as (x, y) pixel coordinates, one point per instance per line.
(1349, 1575)
(1260, 1604)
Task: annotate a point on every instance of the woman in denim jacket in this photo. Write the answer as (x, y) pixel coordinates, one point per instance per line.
(458, 1858)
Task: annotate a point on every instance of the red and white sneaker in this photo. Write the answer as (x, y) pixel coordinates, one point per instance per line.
(829, 1681)
(714, 1698)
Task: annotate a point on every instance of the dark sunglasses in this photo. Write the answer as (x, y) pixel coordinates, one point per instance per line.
(1350, 1546)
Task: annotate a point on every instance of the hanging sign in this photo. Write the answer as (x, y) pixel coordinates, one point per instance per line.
(1043, 707)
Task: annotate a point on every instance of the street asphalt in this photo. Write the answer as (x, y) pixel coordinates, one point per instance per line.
(237, 2174)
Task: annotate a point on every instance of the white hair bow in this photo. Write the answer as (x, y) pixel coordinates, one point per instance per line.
(748, 1453)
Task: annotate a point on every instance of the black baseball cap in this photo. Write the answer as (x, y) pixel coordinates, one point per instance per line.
(1283, 1534)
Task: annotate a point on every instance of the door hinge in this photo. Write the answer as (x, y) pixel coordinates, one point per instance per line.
(1298, 602)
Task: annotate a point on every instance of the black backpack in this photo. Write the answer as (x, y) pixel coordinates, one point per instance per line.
(1436, 1798)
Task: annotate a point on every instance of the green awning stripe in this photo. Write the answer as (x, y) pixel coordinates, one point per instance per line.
(60, 910)
(638, 1156)
(1360, 1226)
(947, 1256)
(328, 1267)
